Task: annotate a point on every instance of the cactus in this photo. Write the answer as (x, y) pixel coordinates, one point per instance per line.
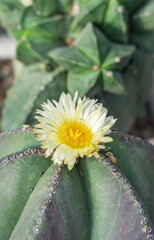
(100, 48)
(96, 200)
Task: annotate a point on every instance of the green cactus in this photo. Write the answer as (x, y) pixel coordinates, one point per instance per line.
(100, 48)
(96, 200)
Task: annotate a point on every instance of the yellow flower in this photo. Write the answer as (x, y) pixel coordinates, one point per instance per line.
(72, 128)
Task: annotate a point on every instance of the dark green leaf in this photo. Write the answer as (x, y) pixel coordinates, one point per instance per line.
(143, 19)
(41, 35)
(115, 23)
(23, 93)
(87, 44)
(82, 81)
(71, 59)
(30, 18)
(83, 3)
(50, 7)
(15, 10)
(144, 40)
(137, 84)
(44, 8)
(118, 56)
(51, 91)
(112, 82)
(27, 54)
(66, 5)
(104, 44)
(132, 5)
(92, 12)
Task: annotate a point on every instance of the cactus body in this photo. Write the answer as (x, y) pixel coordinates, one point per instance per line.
(95, 200)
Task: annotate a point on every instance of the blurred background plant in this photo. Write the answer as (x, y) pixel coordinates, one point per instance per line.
(101, 48)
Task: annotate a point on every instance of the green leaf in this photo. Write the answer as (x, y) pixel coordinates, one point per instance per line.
(27, 54)
(23, 93)
(118, 57)
(113, 213)
(87, 44)
(83, 3)
(92, 47)
(135, 159)
(137, 83)
(17, 141)
(29, 18)
(82, 81)
(112, 82)
(44, 8)
(66, 215)
(143, 27)
(41, 35)
(144, 40)
(17, 181)
(51, 91)
(92, 12)
(15, 10)
(71, 59)
(143, 19)
(47, 8)
(132, 5)
(104, 44)
(109, 16)
(115, 23)
(49, 34)
(66, 5)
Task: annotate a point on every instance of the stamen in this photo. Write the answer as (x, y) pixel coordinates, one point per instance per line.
(76, 135)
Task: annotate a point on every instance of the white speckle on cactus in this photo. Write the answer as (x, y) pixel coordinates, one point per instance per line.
(39, 220)
(94, 67)
(38, 12)
(120, 9)
(109, 74)
(36, 230)
(117, 59)
(30, 238)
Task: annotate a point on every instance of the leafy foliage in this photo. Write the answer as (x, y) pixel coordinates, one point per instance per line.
(85, 57)
(99, 46)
